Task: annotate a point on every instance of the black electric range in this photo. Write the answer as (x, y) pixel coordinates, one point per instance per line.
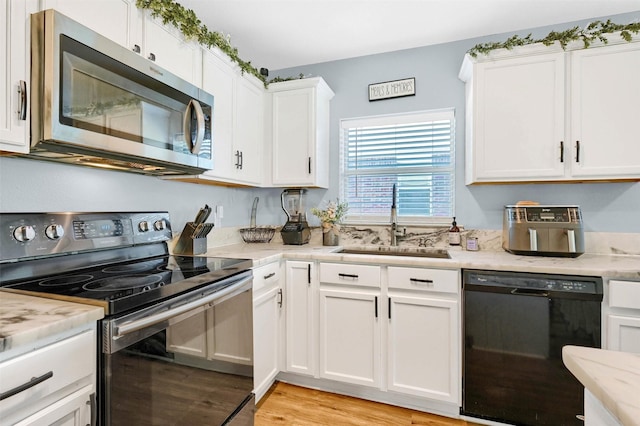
(119, 261)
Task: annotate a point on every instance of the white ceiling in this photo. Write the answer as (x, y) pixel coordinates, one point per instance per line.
(278, 34)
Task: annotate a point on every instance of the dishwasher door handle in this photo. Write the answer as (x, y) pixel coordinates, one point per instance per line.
(530, 292)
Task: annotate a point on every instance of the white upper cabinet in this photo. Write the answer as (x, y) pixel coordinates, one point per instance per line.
(114, 19)
(605, 113)
(15, 69)
(517, 114)
(540, 113)
(300, 132)
(238, 122)
(122, 22)
(165, 45)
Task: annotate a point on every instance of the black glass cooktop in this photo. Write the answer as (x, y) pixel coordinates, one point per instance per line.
(119, 287)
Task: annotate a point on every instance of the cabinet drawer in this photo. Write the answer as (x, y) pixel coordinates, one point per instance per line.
(345, 273)
(624, 294)
(440, 280)
(63, 367)
(266, 276)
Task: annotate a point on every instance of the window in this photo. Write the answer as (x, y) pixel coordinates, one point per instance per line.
(413, 151)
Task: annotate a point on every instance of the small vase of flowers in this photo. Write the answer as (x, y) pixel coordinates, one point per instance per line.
(330, 219)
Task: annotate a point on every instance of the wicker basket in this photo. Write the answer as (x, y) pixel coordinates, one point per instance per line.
(261, 234)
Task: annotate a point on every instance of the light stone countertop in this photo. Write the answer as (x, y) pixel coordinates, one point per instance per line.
(610, 266)
(27, 319)
(611, 376)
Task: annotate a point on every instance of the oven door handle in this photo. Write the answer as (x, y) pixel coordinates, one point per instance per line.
(218, 296)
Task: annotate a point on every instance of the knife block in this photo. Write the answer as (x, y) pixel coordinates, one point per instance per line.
(193, 239)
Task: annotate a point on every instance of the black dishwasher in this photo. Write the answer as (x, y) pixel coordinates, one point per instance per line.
(515, 325)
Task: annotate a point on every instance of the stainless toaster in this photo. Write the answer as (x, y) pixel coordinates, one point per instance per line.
(543, 230)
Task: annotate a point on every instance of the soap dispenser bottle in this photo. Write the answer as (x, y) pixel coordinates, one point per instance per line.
(454, 234)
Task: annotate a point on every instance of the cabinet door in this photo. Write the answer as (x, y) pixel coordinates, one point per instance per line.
(15, 69)
(249, 131)
(293, 137)
(623, 333)
(423, 347)
(605, 112)
(165, 45)
(266, 320)
(219, 79)
(518, 120)
(72, 410)
(350, 337)
(113, 19)
(301, 334)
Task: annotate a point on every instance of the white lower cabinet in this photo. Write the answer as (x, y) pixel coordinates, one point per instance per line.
(623, 316)
(350, 336)
(73, 410)
(392, 328)
(301, 318)
(423, 347)
(62, 378)
(267, 308)
(424, 333)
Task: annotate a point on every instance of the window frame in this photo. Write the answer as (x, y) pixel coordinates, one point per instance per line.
(390, 119)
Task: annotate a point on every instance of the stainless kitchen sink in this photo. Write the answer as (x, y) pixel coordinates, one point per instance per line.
(398, 251)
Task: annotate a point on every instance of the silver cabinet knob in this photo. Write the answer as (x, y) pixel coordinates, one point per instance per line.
(24, 233)
(53, 232)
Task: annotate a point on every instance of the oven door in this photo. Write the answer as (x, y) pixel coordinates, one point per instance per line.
(185, 361)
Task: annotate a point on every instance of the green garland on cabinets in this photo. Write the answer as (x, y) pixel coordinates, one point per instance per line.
(596, 30)
(192, 28)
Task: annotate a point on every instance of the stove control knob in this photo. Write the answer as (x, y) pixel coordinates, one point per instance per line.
(143, 226)
(160, 225)
(24, 233)
(53, 232)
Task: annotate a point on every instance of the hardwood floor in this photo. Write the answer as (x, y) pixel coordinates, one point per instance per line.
(287, 404)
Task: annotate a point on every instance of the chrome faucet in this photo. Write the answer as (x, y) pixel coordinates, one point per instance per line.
(394, 220)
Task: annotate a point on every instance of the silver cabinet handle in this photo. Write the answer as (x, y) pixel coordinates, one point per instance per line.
(22, 91)
(266, 277)
(193, 108)
(152, 57)
(23, 387)
(136, 48)
(280, 298)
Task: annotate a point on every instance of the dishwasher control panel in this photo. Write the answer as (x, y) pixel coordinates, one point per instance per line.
(519, 280)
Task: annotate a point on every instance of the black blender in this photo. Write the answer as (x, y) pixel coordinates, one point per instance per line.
(296, 230)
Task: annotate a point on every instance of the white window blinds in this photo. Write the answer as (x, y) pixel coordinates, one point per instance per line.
(414, 151)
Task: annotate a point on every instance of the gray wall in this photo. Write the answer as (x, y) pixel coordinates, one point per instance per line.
(37, 186)
(34, 186)
(607, 207)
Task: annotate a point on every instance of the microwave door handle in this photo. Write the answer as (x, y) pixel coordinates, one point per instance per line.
(533, 239)
(571, 236)
(194, 105)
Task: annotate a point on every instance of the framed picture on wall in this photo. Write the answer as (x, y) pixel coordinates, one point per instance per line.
(392, 89)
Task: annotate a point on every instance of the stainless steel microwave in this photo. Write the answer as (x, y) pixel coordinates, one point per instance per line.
(96, 103)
